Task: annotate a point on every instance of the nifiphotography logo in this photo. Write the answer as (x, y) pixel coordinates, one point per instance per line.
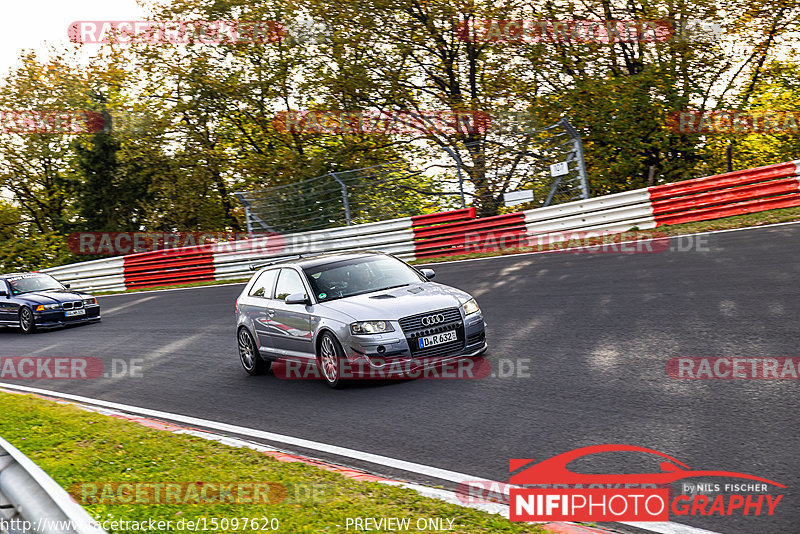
(574, 496)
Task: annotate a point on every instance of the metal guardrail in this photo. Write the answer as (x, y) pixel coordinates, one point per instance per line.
(98, 275)
(724, 195)
(28, 494)
(424, 236)
(233, 260)
(611, 213)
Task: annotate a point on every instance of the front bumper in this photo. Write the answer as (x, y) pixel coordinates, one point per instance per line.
(58, 318)
(393, 350)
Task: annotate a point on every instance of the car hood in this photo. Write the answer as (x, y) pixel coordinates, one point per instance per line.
(49, 297)
(392, 304)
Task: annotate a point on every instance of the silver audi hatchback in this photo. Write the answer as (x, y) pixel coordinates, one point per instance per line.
(354, 314)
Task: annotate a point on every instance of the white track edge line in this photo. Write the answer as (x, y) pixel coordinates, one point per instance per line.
(437, 493)
(377, 459)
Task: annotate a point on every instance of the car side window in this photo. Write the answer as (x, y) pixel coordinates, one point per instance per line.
(264, 284)
(289, 282)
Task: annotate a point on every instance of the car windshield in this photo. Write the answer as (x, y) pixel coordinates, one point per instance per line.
(361, 275)
(33, 282)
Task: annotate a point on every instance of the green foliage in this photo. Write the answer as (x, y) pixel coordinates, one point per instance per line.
(209, 110)
(778, 90)
(113, 193)
(25, 250)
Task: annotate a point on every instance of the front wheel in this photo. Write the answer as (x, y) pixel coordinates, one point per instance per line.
(251, 360)
(330, 359)
(26, 321)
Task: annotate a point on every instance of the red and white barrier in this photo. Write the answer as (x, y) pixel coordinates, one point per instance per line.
(724, 195)
(454, 232)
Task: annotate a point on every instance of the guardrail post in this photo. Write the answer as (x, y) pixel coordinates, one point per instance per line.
(344, 198)
(459, 163)
(578, 148)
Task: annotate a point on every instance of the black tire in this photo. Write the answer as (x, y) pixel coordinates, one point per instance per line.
(27, 322)
(329, 360)
(251, 360)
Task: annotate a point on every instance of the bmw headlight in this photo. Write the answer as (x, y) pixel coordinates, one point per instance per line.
(371, 327)
(470, 307)
(46, 307)
(90, 301)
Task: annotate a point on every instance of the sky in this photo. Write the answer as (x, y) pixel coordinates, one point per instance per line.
(33, 24)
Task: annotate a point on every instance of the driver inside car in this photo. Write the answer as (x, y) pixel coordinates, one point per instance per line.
(360, 278)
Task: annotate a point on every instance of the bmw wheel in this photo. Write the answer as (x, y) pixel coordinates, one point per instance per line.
(26, 321)
(330, 358)
(251, 360)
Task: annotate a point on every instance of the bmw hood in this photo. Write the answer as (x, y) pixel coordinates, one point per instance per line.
(49, 297)
(392, 304)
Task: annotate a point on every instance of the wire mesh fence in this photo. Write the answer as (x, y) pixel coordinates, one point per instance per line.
(538, 167)
(546, 163)
(350, 197)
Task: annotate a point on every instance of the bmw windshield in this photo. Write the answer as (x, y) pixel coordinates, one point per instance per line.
(361, 275)
(30, 283)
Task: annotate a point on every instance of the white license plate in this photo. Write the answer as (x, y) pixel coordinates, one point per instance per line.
(437, 339)
(75, 313)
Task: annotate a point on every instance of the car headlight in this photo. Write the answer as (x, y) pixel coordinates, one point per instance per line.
(90, 301)
(470, 307)
(371, 327)
(45, 307)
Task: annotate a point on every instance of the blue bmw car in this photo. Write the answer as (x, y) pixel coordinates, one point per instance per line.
(37, 300)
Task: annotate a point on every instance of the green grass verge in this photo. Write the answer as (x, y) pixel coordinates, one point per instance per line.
(727, 223)
(78, 447)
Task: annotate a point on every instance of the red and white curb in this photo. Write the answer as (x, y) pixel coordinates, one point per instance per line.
(161, 421)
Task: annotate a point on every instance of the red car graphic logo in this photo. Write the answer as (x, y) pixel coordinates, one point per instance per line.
(554, 470)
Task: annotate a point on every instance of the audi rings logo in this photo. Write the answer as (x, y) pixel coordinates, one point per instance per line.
(430, 320)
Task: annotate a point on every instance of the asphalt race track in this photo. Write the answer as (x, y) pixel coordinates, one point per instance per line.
(596, 331)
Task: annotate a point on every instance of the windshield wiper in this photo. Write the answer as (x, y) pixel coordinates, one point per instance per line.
(393, 287)
(364, 292)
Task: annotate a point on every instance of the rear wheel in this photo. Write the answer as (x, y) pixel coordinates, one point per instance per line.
(27, 323)
(249, 356)
(330, 359)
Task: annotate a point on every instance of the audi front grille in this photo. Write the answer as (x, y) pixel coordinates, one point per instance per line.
(415, 327)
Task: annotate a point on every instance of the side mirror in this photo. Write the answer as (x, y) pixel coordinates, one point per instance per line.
(3, 293)
(428, 273)
(297, 298)
(66, 285)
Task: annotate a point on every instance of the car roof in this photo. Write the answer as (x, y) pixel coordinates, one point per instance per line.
(322, 259)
